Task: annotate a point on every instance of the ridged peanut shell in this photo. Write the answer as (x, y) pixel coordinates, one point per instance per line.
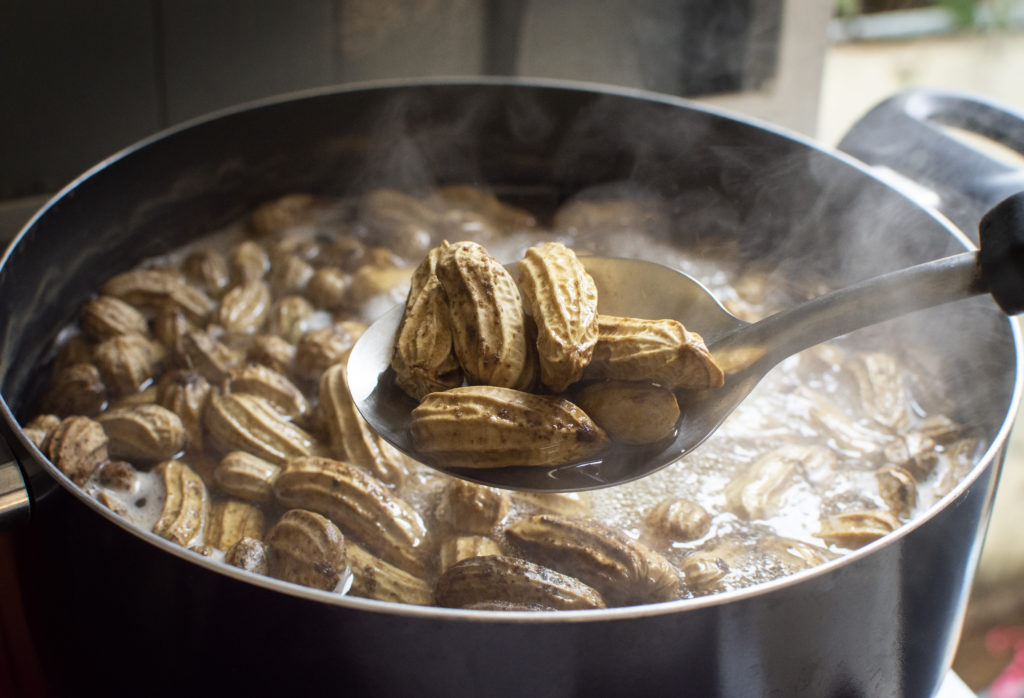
(466, 198)
(241, 422)
(186, 504)
(39, 429)
(883, 389)
(394, 216)
(146, 433)
(246, 476)
(230, 521)
(458, 548)
(249, 261)
(78, 349)
(488, 325)
(561, 503)
(288, 317)
(471, 508)
(127, 362)
(677, 520)
(289, 273)
(155, 289)
(624, 571)
(655, 351)
(328, 288)
(424, 359)
(319, 349)
(275, 388)
(77, 446)
(489, 427)
(898, 489)
(207, 269)
(170, 325)
(562, 298)
(855, 529)
(278, 215)
(305, 548)
(792, 554)
(202, 352)
(76, 389)
(497, 581)
(383, 281)
(373, 578)
(105, 317)
(351, 438)
(185, 393)
(271, 351)
(760, 489)
(361, 506)
(245, 307)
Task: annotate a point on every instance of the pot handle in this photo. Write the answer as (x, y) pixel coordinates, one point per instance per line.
(906, 134)
(14, 499)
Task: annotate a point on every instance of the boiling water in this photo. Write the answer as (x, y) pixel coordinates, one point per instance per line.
(784, 410)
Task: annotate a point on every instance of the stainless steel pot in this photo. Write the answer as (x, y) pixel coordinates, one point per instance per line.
(121, 611)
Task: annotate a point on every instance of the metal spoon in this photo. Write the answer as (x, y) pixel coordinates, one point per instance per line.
(746, 351)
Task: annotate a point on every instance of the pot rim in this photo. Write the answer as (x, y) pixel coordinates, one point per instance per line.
(990, 458)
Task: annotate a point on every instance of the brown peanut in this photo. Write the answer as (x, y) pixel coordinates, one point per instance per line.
(306, 548)
(424, 359)
(77, 446)
(490, 427)
(362, 506)
(485, 308)
(562, 298)
(656, 351)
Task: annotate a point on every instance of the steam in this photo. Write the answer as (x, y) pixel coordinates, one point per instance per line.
(693, 179)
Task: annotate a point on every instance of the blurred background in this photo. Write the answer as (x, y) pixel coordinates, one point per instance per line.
(83, 79)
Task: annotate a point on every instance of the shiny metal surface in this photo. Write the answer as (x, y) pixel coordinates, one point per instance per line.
(14, 499)
(159, 610)
(746, 352)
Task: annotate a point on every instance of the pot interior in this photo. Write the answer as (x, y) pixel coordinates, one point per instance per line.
(722, 180)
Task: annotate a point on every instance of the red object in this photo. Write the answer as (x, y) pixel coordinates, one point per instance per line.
(1010, 683)
(21, 675)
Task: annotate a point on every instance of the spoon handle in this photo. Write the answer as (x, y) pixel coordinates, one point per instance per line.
(998, 268)
(854, 307)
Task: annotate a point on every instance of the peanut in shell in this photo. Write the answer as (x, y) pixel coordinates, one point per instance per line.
(630, 411)
(489, 427)
(562, 298)
(424, 360)
(508, 583)
(186, 504)
(656, 351)
(351, 439)
(360, 505)
(488, 325)
(77, 446)
(242, 422)
(305, 548)
(623, 570)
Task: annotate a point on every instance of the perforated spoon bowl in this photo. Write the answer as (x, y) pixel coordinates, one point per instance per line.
(745, 351)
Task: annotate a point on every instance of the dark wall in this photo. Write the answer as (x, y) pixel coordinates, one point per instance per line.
(80, 79)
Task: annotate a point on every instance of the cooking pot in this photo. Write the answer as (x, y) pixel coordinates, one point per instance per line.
(122, 611)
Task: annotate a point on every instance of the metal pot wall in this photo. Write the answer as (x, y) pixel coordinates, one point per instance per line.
(121, 611)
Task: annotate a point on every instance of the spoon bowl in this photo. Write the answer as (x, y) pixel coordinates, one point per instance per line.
(745, 351)
(665, 293)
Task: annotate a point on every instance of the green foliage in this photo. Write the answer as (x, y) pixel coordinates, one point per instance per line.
(847, 8)
(966, 14)
(963, 12)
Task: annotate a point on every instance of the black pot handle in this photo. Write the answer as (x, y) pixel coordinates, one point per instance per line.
(14, 497)
(905, 134)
